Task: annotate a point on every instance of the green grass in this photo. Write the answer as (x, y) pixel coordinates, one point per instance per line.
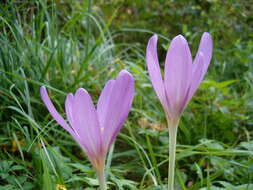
(69, 44)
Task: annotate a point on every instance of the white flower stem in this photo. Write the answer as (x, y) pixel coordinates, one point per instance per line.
(101, 179)
(172, 153)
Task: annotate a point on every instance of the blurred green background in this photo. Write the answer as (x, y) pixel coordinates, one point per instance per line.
(67, 44)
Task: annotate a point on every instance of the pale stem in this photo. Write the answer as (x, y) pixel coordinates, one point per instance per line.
(172, 154)
(109, 160)
(101, 179)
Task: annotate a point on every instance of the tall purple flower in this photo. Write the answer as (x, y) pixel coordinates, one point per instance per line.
(95, 129)
(182, 77)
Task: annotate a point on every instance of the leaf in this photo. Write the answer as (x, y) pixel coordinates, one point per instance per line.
(7, 187)
(229, 186)
(247, 145)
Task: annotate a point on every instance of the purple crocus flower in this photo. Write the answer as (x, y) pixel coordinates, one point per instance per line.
(182, 76)
(95, 129)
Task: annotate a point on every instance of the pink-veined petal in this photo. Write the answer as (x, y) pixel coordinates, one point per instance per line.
(155, 72)
(178, 71)
(86, 124)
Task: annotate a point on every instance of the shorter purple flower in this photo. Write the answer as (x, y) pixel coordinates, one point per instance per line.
(95, 129)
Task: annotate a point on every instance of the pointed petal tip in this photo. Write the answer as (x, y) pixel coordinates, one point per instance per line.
(42, 88)
(180, 38)
(179, 41)
(81, 91)
(69, 95)
(125, 73)
(43, 92)
(152, 42)
(207, 34)
(154, 37)
(207, 37)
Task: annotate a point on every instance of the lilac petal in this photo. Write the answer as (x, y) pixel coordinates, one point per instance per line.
(85, 123)
(58, 118)
(103, 104)
(70, 111)
(155, 72)
(206, 47)
(178, 71)
(112, 117)
(69, 103)
(198, 70)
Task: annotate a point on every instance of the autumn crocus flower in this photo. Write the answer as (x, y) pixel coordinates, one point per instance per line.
(95, 129)
(182, 76)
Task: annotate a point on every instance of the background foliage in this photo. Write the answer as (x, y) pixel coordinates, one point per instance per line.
(66, 44)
